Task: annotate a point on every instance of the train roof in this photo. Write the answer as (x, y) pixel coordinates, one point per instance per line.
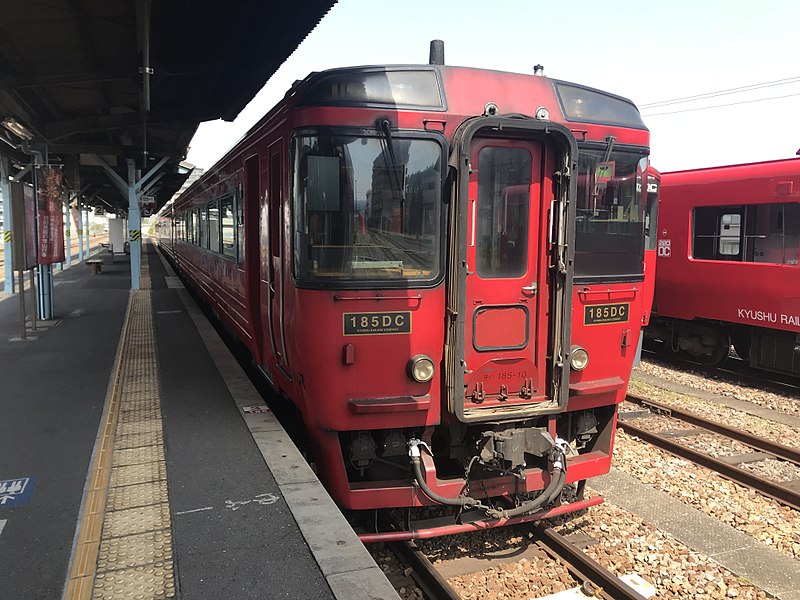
(766, 167)
(338, 87)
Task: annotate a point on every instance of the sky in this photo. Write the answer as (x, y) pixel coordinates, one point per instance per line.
(649, 51)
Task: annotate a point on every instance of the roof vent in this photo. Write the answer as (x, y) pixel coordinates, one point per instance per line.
(437, 53)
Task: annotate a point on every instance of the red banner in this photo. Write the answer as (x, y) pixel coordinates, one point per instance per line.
(51, 218)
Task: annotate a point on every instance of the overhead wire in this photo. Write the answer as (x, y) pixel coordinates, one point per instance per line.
(683, 110)
(725, 92)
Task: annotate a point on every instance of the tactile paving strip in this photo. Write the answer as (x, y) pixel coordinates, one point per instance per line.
(124, 547)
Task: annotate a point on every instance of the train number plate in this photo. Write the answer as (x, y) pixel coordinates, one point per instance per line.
(377, 323)
(600, 314)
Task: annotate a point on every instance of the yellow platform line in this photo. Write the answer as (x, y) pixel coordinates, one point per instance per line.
(124, 542)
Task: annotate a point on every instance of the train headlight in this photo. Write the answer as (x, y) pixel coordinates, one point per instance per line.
(578, 358)
(420, 368)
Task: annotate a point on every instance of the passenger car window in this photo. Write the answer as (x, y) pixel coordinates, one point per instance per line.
(730, 229)
(227, 224)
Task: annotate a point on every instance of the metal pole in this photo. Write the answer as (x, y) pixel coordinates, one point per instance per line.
(5, 193)
(80, 232)
(86, 232)
(33, 297)
(46, 292)
(22, 333)
(134, 227)
(67, 232)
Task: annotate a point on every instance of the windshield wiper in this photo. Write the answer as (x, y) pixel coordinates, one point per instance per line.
(610, 140)
(394, 175)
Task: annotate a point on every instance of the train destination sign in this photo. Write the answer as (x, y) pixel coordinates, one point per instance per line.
(600, 314)
(377, 323)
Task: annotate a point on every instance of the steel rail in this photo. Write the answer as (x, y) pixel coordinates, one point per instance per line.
(733, 369)
(424, 573)
(774, 490)
(606, 584)
(784, 452)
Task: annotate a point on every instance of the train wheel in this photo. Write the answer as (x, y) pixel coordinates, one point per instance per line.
(720, 353)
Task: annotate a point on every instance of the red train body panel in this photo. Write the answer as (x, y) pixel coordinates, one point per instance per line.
(422, 269)
(728, 267)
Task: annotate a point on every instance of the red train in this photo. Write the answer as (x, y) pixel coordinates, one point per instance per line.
(728, 272)
(442, 268)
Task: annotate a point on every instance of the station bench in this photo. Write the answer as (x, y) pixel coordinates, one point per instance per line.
(95, 264)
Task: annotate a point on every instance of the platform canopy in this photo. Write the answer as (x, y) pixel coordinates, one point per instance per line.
(133, 79)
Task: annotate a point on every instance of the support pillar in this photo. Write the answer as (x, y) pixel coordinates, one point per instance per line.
(133, 188)
(67, 232)
(86, 230)
(134, 227)
(45, 295)
(5, 194)
(80, 232)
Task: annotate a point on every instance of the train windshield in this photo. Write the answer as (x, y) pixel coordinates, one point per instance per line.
(367, 208)
(609, 241)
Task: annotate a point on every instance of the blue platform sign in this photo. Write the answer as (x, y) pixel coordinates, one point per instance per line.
(16, 492)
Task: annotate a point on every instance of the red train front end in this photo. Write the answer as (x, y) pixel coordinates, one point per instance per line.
(449, 282)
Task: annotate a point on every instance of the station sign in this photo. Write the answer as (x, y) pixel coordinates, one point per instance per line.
(51, 219)
(147, 204)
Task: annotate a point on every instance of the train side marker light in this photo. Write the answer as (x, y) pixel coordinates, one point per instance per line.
(578, 358)
(420, 368)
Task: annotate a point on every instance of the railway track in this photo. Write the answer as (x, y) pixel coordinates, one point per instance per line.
(429, 580)
(594, 579)
(734, 370)
(785, 494)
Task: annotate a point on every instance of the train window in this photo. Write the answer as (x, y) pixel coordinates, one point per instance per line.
(202, 227)
(760, 233)
(730, 231)
(190, 233)
(407, 88)
(227, 225)
(504, 180)
(791, 233)
(651, 214)
(717, 233)
(772, 235)
(213, 227)
(366, 208)
(609, 238)
(240, 226)
(587, 105)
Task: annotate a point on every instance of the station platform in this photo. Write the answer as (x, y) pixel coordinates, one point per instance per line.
(137, 459)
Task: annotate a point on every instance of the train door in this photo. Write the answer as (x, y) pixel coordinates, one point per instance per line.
(274, 288)
(514, 323)
(252, 259)
(505, 342)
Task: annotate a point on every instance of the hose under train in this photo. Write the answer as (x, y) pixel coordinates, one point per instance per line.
(557, 480)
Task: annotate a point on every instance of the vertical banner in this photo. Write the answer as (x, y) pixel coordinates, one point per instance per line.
(51, 224)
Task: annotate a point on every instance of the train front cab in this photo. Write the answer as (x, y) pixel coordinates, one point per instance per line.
(435, 366)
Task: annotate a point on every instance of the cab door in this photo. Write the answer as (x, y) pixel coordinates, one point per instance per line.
(272, 262)
(506, 322)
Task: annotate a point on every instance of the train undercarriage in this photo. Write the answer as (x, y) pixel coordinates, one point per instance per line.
(711, 342)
